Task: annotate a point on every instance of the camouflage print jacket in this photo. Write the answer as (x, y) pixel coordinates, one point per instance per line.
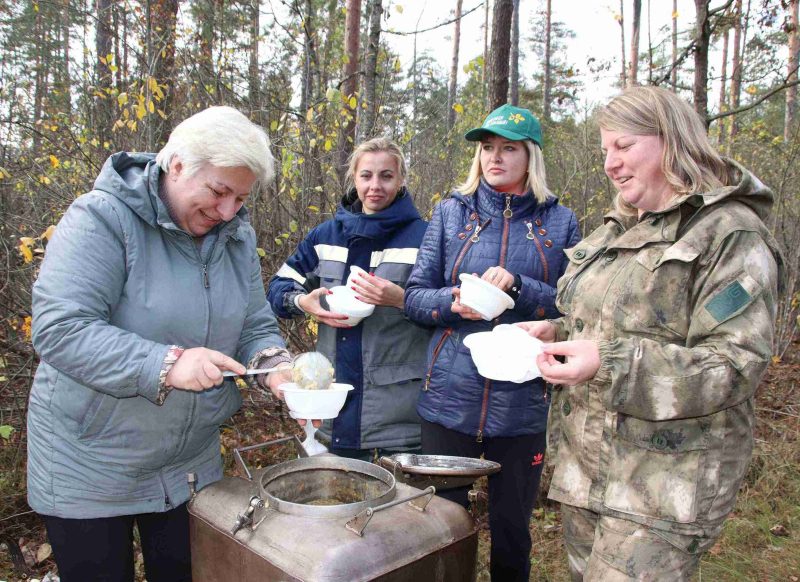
(682, 305)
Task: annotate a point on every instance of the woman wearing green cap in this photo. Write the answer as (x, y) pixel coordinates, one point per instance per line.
(504, 225)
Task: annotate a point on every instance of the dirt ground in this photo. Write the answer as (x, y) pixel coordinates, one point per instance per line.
(24, 553)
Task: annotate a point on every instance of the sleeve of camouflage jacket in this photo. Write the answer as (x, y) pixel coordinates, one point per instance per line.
(728, 347)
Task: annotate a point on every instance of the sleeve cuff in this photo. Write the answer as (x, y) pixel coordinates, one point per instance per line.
(291, 303)
(268, 358)
(561, 329)
(173, 353)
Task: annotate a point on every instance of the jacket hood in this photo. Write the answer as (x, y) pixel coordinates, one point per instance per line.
(744, 187)
(133, 179)
(379, 225)
(489, 202)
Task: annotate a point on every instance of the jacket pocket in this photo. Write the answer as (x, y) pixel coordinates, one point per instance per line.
(655, 468)
(387, 374)
(84, 412)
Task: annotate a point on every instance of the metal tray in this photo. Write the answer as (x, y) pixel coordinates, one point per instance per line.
(441, 471)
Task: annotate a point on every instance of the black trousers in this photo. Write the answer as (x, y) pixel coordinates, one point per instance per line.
(101, 550)
(512, 491)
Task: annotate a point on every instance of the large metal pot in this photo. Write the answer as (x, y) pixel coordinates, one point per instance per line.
(329, 519)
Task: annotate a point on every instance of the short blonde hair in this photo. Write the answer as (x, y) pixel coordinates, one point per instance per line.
(374, 146)
(537, 177)
(223, 137)
(690, 163)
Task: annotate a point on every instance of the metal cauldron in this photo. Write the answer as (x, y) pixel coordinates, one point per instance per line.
(331, 519)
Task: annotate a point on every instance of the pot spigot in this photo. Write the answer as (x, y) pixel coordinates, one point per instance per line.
(246, 518)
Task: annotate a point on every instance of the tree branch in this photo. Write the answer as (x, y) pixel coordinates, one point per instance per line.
(441, 24)
(749, 106)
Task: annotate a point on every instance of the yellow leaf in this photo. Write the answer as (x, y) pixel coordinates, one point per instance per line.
(458, 108)
(313, 208)
(151, 107)
(4, 173)
(113, 68)
(44, 179)
(328, 145)
(776, 359)
(352, 102)
(122, 99)
(54, 161)
(675, 14)
(140, 111)
(273, 125)
(161, 114)
(310, 114)
(399, 9)
(25, 250)
(48, 234)
(261, 252)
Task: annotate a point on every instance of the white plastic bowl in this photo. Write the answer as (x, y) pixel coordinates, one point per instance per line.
(483, 297)
(343, 300)
(506, 353)
(313, 404)
(354, 272)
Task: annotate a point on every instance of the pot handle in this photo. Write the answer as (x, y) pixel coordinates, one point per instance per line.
(237, 453)
(360, 521)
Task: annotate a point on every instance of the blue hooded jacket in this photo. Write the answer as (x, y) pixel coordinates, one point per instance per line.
(530, 243)
(383, 357)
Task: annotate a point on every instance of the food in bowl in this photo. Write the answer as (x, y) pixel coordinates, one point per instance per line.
(312, 371)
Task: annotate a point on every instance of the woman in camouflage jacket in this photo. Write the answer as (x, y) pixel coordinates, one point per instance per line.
(667, 329)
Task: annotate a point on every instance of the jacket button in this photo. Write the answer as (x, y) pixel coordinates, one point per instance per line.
(473, 216)
(579, 324)
(542, 231)
(658, 440)
(579, 254)
(611, 256)
(462, 236)
(566, 408)
(468, 227)
(538, 222)
(548, 243)
(540, 312)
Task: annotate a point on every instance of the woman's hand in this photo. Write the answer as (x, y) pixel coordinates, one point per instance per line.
(462, 310)
(543, 330)
(310, 303)
(583, 361)
(198, 369)
(498, 277)
(377, 290)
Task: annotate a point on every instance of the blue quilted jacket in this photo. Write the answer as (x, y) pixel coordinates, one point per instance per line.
(530, 243)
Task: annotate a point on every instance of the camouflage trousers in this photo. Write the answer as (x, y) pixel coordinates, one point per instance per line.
(607, 549)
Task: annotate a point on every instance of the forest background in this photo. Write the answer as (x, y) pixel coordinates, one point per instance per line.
(81, 79)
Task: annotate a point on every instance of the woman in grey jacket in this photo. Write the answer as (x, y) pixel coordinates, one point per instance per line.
(151, 287)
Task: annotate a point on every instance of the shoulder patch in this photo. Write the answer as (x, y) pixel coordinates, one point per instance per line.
(728, 301)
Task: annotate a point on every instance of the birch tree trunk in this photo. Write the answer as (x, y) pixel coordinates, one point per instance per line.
(736, 68)
(453, 86)
(501, 48)
(791, 92)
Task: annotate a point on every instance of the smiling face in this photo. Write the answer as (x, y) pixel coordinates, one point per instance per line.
(504, 164)
(210, 196)
(377, 180)
(633, 163)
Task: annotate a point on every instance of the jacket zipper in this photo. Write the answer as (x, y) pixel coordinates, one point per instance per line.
(435, 356)
(507, 214)
(470, 241)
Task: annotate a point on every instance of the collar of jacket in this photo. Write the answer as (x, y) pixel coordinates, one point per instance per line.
(664, 226)
(379, 225)
(489, 202)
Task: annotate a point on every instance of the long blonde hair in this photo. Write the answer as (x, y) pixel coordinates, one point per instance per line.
(537, 178)
(690, 163)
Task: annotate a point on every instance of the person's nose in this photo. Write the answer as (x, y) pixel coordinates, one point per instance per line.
(612, 161)
(228, 207)
(375, 183)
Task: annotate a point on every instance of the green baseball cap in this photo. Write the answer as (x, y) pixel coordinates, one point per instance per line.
(513, 123)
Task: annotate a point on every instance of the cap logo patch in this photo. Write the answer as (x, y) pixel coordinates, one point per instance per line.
(516, 118)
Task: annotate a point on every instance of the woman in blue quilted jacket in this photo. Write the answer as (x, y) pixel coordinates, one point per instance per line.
(504, 225)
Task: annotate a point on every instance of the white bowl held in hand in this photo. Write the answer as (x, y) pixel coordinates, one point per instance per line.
(483, 297)
(355, 271)
(506, 353)
(343, 300)
(313, 404)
